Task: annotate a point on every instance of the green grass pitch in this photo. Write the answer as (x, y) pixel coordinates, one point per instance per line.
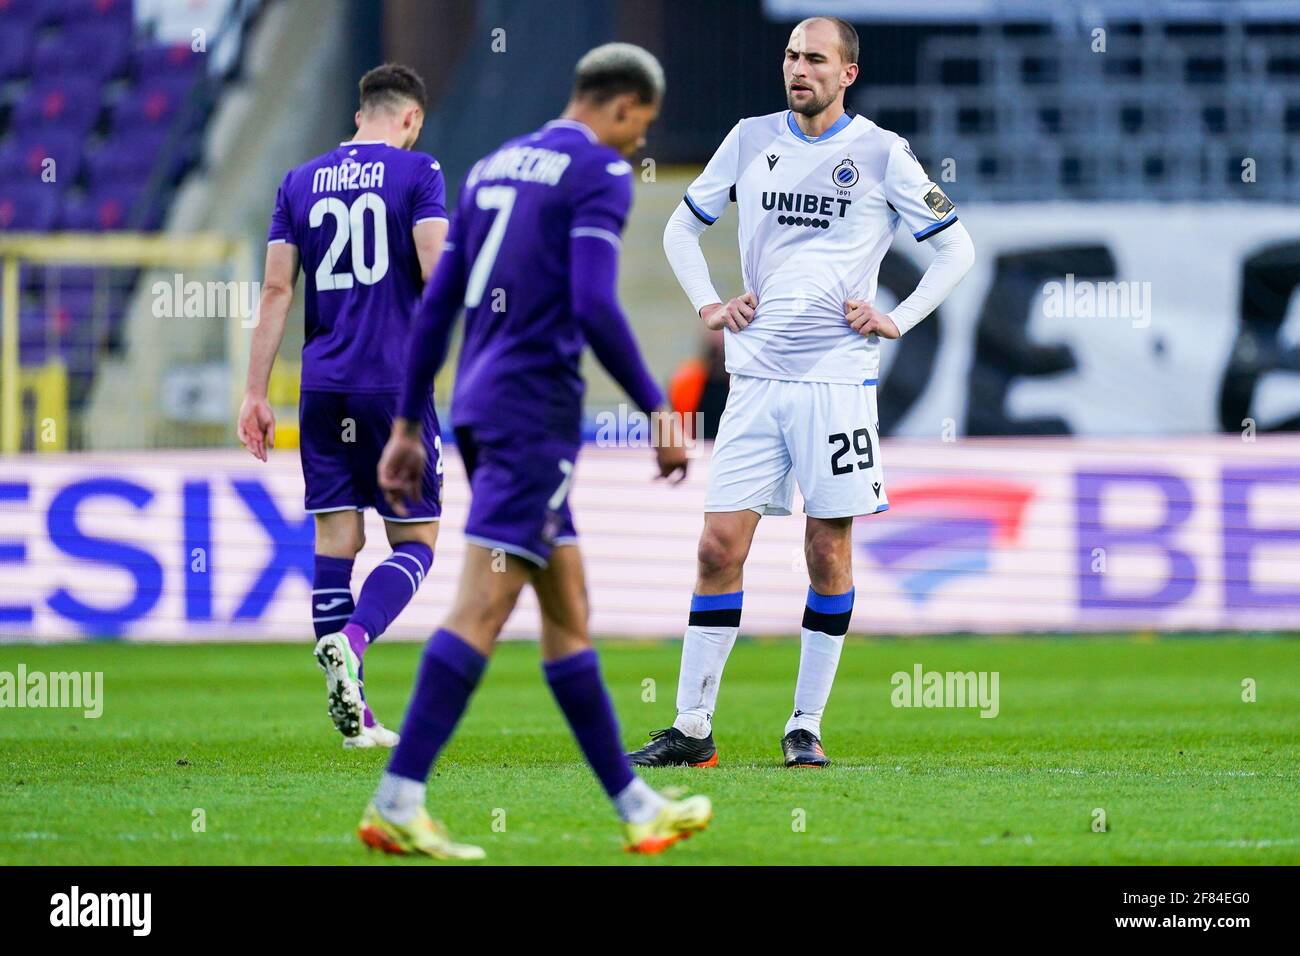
(1153, 732)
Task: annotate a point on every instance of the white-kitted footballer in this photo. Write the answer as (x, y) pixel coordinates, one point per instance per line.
(820, 193)
(817, 216)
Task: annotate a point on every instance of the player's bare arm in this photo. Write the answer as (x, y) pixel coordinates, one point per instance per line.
(429, 237)
(256, 425)
(734, 314)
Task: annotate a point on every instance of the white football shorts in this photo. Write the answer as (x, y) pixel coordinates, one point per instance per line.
(774, 433)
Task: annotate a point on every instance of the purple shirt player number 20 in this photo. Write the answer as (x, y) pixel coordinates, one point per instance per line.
(532, 256)
(350, 213)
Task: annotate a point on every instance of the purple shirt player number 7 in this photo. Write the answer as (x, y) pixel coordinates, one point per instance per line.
(532, 256)
(351, 213)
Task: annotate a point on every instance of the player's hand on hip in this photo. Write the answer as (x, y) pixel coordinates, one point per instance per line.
(256, 427)
(865, 319)
(735, 314)
(670, 451)
(401, 468)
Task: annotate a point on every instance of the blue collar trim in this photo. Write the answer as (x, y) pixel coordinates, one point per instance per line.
(845, 119)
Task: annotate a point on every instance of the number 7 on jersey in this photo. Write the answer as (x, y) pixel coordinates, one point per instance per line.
(502, 199)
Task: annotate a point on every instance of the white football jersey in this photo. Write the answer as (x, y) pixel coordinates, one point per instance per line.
(816, 219)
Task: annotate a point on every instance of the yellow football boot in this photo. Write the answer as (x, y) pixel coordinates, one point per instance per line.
(422, 835)
(676, 820)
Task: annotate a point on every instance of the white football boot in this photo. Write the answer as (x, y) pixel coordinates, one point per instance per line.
(335, 657)
(376, 736)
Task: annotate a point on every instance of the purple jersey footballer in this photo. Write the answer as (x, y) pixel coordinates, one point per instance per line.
(532, 257)
(366, 221)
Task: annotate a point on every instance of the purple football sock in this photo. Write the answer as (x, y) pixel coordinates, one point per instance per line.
(390, 587)
(576, 683)
(331, 594)
(357, 638)
(449, 671)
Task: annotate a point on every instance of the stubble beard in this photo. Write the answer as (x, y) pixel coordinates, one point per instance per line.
(811, 107)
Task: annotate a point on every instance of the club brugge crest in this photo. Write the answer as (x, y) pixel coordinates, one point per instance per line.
(845, 174)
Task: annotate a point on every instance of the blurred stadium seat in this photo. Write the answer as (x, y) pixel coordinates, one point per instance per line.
(102, 111)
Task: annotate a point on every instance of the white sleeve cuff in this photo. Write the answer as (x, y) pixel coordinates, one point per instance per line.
(682, 247)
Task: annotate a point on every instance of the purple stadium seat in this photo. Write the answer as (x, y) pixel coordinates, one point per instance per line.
(66, 102)
(112, 14)
(64, 314)
(156, 103)
(73, 314)
(23, 159)
(109, 207)
(35, 339)
(29, 206)
(76, 302)
(15, 49)
(41, 278)
(75, 52)
(99, 211)
(83, 49)
(19, 14)
(73, 303)
(134, 155)
(34, 324)
(166, 59)
(64, 328)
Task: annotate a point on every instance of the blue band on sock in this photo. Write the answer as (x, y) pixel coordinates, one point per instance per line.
(717, 602)
(831, 603)
(563, 667)
(451, 649)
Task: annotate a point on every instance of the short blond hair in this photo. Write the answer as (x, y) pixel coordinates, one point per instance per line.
(613, 69)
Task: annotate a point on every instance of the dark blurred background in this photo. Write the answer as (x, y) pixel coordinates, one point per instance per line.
(1145, 153)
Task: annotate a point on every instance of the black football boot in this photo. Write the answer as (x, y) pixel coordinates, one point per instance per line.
(802, 749)
(672, 748)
